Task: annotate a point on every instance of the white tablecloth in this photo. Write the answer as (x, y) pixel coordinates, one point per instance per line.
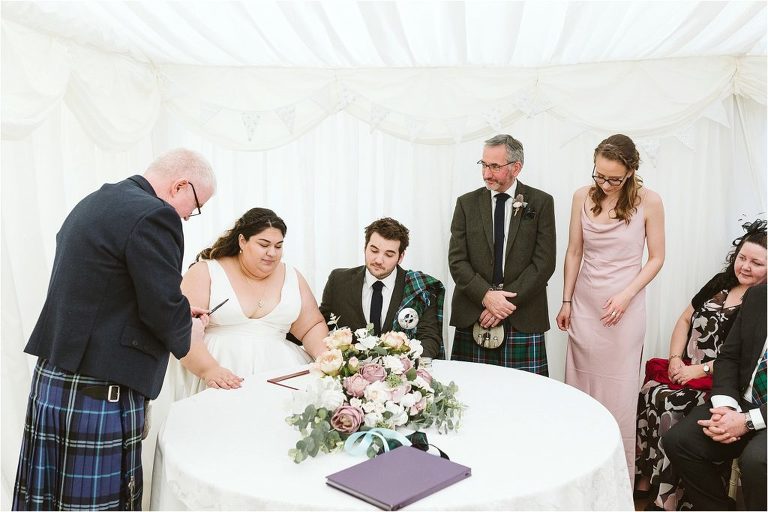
(532, 443)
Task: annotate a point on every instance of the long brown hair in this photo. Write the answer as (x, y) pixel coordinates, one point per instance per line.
(619, 148)
(253, 222)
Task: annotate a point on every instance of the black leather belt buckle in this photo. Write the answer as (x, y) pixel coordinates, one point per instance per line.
(109, 393)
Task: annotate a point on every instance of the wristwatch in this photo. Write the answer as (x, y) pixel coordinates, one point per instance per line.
(748, 421)
(706, 369)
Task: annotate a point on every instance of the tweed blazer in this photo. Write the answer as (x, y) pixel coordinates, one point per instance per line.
(114, 308)
(529, 258)
(342, 296)
(742, 349)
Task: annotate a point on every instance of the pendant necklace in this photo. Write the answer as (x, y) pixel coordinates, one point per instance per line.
(249, 280)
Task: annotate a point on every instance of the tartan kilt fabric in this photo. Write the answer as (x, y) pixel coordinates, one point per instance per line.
(522, 351)
(78, 452)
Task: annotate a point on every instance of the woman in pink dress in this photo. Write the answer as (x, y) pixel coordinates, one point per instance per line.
(604, 282)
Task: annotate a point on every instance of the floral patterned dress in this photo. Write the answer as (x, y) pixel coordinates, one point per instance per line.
(659, 407)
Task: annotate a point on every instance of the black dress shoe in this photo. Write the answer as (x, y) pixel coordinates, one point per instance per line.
(652, 506)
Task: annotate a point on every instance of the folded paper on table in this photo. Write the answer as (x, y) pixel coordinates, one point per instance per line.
(398, 477)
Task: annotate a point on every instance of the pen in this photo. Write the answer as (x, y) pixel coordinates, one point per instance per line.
(217, 307)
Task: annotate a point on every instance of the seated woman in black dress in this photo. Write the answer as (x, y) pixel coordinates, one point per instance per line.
(675, 386)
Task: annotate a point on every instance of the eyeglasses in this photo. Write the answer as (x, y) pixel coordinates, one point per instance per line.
(492, 167)
(614, 182)
(194, 193)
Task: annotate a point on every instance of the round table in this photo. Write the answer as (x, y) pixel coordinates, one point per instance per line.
(532, 443)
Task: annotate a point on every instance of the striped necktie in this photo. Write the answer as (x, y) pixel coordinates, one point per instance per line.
(759, 385)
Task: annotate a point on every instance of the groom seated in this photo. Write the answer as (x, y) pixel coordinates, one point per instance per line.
(381, 292)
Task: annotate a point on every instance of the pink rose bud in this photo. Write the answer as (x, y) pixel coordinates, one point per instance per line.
(424, 374)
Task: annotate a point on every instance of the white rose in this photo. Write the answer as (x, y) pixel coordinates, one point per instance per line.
(329, 362)
(416, 349)
(331, 394)
(394, 364)
(410, 399)
(372, 419)
(367, 343)
(377, 392)
(361, 333)
(419, 382)
(399, 416)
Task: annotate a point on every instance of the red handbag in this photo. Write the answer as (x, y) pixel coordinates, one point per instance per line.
(658, 369)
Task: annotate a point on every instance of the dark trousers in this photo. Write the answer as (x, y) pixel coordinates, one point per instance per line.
(699, 461)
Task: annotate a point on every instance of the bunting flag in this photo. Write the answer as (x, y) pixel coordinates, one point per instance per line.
(250, 122)
(493, 118)
(208, 112)
(378, 114)
(287, 115)
(685, 135)
(650, 147)
(716, 112)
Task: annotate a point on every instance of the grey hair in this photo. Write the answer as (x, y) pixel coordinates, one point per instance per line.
(514, 147)
(183, 163)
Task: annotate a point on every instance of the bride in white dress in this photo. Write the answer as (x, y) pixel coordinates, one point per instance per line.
(267, 300)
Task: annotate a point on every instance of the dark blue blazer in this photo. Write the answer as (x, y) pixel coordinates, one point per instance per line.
(114, 308)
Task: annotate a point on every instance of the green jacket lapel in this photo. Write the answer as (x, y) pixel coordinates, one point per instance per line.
(484, 207)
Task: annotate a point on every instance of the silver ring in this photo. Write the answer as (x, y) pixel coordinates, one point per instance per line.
(613, 313)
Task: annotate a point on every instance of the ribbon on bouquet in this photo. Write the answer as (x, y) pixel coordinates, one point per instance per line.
(358, 443)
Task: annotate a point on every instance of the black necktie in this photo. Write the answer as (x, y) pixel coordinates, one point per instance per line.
(498, 238)
(376, 302)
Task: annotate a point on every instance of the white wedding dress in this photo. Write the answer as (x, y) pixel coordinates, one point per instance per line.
(248, 345)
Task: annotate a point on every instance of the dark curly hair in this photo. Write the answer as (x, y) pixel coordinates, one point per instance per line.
(755, 232)
(253, 222)
(389, 229)
(619, 148)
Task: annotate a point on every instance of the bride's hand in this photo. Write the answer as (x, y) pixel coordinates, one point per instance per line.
(221, 378)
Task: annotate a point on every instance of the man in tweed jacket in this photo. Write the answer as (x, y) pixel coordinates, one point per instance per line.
(348, 292)
(518, 299)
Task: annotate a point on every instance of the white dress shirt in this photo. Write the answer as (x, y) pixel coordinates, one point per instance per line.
(507, 213)
(386, 295)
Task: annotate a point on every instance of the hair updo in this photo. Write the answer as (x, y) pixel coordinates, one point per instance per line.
(253, 222)
(619, 148)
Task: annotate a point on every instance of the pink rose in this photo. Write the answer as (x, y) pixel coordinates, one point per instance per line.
(407, 364)
(424, 374)
(355, 385)
(373, 372)
(400, 391)
(418, 407)
(347, 419)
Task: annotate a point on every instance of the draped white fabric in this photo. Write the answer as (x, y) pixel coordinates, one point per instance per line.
(319, 124)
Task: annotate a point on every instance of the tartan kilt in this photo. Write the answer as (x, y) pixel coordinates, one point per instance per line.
(78, 452)
(520, 350)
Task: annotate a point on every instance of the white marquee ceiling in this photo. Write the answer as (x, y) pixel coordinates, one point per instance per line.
(340, 34)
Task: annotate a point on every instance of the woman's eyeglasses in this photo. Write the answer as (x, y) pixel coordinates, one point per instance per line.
(600, 179)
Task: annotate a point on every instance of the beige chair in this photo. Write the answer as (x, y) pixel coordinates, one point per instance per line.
(733, 483)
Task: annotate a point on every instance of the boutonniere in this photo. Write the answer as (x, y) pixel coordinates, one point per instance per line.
(519, 203)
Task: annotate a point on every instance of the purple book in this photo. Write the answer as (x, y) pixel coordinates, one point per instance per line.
(398, 477)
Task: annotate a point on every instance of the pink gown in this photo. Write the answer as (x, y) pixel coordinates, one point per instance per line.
(604, 362)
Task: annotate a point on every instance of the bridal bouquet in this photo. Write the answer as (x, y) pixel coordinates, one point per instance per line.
(364, 382)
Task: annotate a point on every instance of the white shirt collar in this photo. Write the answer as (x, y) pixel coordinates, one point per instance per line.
(511, 191)
(389, 281)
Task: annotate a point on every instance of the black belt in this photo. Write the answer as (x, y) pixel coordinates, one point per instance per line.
(110, 393)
